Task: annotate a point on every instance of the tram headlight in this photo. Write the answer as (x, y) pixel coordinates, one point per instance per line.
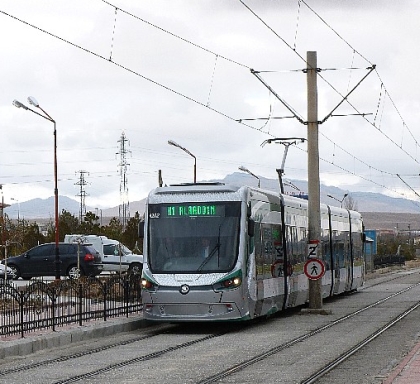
(147, 284)
(231, 281)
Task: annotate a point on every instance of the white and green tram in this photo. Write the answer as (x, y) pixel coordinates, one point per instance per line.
(256, 243)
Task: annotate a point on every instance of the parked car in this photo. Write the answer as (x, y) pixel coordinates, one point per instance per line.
(116, 257)
(40, 261)
(3, 274)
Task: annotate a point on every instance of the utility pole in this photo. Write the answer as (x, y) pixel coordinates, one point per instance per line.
(314, 204)
(124, 207)
(82, 194)
(314, 210)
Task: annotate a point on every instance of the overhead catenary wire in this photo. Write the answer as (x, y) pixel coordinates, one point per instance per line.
(196, 45)
(372, 67)
(175, 35)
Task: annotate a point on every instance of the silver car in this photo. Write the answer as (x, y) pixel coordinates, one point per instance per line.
(9, 275)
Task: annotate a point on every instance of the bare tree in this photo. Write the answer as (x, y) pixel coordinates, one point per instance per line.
(350, 203)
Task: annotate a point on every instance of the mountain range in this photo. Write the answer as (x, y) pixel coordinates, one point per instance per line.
(365, 202)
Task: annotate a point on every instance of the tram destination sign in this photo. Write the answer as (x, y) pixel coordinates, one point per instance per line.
(192, 210)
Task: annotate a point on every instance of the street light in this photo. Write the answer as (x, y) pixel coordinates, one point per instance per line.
(243, 169)
(34, 102)
(18, 203)
(340, 201)
(171, 142)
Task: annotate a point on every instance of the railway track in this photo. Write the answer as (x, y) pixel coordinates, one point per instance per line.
(12, 374)
(160, 344)
(336, 361)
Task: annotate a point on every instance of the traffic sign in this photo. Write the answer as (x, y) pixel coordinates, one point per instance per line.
(314, 269)
(312, 250)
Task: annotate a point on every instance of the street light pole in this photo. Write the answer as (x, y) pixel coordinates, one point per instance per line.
(241, 168)
(46, 116)
(171, 142)
(18, 203)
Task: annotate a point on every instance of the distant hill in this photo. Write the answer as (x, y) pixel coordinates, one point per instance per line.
(364, 201)
(398, 222)
(44, 208)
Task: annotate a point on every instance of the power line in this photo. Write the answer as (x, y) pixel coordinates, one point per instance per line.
(333, 30)
(241, 121)
(175, 35)
(373, 67)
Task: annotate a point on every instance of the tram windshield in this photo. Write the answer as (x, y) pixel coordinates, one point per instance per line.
(193, 237)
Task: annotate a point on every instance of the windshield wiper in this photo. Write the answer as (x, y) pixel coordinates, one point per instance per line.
(207, 259)
(213, 251)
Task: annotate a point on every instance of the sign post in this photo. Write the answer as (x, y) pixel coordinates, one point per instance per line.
(314, 209)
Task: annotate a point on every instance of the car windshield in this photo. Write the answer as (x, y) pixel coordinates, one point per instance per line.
(193, 242)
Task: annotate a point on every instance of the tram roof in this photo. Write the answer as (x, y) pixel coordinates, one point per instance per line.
(209, 187)
(196, 187)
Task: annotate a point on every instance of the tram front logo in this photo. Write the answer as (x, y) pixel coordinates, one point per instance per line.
(184, 289)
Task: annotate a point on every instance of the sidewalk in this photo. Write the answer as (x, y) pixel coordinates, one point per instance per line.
(46, 339)
(408, 371)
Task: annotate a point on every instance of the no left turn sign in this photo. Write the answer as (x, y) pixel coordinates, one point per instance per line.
(314, 269)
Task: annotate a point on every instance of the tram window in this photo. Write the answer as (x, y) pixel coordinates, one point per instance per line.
(268, 250)
(258, 250)
(302, 243)
(293, 245)
(340, 254)
(326, 254)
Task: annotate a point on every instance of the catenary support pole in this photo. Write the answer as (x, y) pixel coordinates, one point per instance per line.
(314, 211)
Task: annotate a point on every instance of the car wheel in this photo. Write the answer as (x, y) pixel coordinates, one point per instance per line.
(136, 268)
(74, 273)
(15, 271)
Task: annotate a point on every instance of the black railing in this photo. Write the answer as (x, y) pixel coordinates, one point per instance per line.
(48, 305)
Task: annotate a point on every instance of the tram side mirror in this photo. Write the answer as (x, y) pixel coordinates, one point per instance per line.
(364, 237)
(251, 227)
(141, 229)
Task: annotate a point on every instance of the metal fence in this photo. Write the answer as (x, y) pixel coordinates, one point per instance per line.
(380, 261)
(48, 305)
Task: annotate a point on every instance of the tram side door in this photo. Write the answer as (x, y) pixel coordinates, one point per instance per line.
(349, 263)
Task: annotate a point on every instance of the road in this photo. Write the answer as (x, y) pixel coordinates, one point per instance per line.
(286, 348)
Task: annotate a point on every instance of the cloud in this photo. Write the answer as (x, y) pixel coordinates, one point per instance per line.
(158, 87)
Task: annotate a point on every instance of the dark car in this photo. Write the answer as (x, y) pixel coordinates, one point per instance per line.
(40, 261)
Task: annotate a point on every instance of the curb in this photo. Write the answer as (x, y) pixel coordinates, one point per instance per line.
(59, 338)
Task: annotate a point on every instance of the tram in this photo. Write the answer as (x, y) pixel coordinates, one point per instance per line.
(215, 252)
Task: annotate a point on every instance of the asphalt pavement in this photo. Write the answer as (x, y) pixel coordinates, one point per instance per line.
(46, 339)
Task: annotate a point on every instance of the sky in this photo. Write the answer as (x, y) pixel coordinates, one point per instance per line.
(144, 72)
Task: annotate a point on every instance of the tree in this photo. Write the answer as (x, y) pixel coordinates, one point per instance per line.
(389, 244)
(32, 236)
(350, 203)
(90, 225)
(130, 237)
(113, 230)
(68, 224)
(23, 235)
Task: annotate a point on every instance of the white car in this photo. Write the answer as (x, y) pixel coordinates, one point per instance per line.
(2, 272)
(116, 257)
